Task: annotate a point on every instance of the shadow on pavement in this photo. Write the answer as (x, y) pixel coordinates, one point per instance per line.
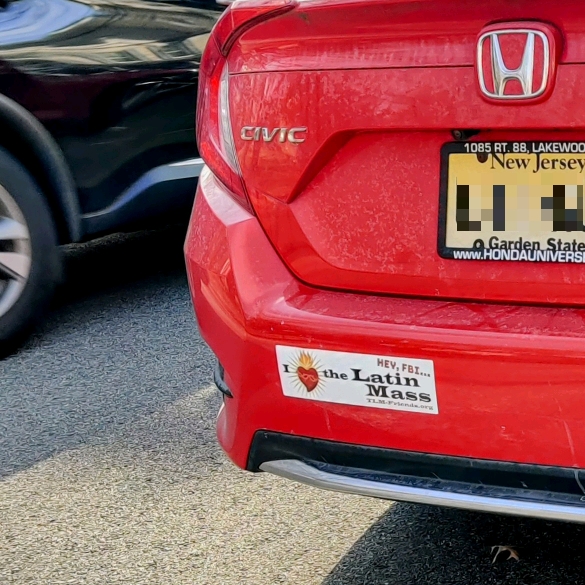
(413, 544)
(120, 343)
(122, 260)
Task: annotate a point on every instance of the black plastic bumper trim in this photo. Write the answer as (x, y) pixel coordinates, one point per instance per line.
(269, 446)
(218, 373)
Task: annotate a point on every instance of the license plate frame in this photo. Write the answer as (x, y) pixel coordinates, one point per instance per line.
(525, 150)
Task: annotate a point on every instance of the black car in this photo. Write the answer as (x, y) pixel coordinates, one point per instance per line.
(97, 114)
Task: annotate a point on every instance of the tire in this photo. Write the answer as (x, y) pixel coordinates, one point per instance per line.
(27, 229)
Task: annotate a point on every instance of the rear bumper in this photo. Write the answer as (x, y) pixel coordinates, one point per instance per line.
(485, 486)
(509, 379)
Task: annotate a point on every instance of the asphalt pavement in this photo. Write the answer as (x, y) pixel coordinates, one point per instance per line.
(110, 472)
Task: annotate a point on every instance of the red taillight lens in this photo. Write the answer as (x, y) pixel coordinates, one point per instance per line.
(242, 15)
(214, 131)
(213, 124)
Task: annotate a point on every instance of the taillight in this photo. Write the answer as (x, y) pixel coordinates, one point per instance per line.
(214, 132)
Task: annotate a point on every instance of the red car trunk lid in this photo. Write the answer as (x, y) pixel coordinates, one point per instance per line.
(340, 111)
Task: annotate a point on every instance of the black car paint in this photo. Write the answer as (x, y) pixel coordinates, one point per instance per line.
(114, 82)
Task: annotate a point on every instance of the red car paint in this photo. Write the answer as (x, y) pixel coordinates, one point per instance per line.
(332, 243)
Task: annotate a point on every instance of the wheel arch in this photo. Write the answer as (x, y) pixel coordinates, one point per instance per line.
(32, 144)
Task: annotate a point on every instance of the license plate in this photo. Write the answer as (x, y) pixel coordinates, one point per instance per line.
(512, 201)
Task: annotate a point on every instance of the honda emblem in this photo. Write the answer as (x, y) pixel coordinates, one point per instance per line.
(516, 63)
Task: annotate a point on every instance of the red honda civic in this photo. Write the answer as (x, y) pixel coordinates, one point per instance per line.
(387, 249)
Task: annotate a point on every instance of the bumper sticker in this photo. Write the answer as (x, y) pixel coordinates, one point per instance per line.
(358, 379)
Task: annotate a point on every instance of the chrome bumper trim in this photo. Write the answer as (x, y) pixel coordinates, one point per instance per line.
(196, 164)
(304, 473)
(186, 169)
(141, 199)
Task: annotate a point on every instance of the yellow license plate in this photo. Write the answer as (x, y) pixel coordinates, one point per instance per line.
(513, 201)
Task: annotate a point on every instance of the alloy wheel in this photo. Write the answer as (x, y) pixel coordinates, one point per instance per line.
(15, 252)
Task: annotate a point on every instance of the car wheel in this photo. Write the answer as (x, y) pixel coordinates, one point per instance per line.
(29, 257)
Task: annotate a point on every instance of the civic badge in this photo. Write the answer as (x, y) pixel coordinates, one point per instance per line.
(516, 62)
